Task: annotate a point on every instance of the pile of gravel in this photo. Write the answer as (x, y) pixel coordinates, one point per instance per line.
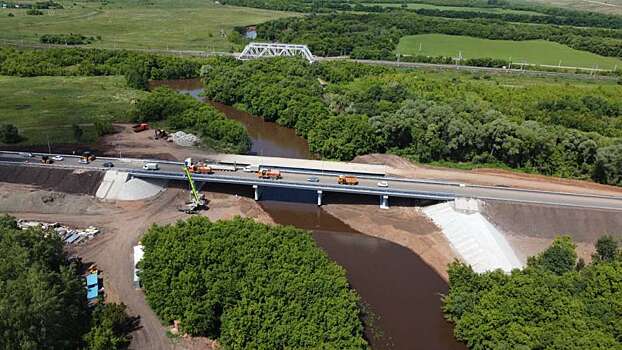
(183, 139)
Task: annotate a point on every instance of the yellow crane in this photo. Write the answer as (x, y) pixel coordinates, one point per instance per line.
(197, 202)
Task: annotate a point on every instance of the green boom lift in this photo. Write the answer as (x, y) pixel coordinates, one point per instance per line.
(197, 202)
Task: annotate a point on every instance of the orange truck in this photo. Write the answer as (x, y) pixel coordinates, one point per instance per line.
(140, 127)
(269, 174)
(347, 180)
(200, 168)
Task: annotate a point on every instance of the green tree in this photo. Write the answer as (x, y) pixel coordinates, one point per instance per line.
(77, 132)
(606, 248)
(559, 258)
(42, 299)
(103, 127)
(9, 134)
(110, 327)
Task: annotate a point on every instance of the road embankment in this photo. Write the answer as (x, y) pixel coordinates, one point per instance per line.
(53, 179)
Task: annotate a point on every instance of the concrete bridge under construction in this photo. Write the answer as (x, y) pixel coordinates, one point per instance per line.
(319, 177)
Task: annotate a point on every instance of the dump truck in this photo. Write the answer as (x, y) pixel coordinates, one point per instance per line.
(46, 160)
(140, 127)
(88, 156)
(269, 174)
(200, 168)
(347, 180)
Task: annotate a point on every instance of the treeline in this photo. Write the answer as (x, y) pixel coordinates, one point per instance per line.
(551, 129)
(93, 62)
(544, 14)
(578, 18)
(183, 112)
(43, 299)
(375, 36)
(249, 285)
(556, 302)
(66, 39)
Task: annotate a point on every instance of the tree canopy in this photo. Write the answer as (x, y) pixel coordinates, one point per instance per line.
(43, 298)
(346, 109)
(250, 285)
(550, 304)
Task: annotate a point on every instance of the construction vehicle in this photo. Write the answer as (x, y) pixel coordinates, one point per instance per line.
(196, 202)
(160, 134)
(347, 180)
(140, 127)
(198, 167)
(88, 156)
(269, 174)
(46, 160)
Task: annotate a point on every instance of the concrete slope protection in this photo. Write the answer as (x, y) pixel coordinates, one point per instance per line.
(473, 237)
(117, 185)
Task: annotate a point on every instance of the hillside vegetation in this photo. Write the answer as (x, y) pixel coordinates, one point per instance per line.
(539, 126)
(251, 286)
(155, 24)
(556, 302)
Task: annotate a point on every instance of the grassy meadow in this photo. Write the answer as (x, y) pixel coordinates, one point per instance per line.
(161, 24)
(530, 51)
(414, 6)
(46, 107)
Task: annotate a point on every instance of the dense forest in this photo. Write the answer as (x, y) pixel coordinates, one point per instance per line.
(249, 285)
(556, 302)
(345, 110)
(183, 112)
(43, 299)
(138, 67)
(376, 35)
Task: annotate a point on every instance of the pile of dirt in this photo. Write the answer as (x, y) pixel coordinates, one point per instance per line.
(61, 180)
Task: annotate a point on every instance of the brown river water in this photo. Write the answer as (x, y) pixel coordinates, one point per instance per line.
(400, 289)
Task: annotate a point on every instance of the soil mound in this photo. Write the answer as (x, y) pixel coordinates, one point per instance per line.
(60, 180)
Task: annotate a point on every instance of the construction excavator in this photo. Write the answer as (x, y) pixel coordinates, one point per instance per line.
(197, 201)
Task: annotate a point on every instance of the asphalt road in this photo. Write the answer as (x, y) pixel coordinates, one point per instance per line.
(327, 180)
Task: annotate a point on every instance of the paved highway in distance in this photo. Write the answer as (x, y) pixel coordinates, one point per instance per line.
(400, 187)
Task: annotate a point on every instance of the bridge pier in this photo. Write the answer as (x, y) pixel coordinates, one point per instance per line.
(384, 202)
(257, 192)
(319, 198)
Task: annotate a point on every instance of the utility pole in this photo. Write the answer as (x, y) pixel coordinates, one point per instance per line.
(49, 147)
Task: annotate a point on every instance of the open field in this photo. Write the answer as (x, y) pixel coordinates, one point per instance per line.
(613, 7)
(161, 24)
(530, 51)
(413, 6)
(45, 107)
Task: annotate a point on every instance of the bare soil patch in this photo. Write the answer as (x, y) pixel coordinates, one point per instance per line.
(487, 177)
(127, 143)
(62, 180)
(531, 228)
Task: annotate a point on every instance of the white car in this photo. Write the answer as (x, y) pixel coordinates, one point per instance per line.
(58, 158)
(83, 161)
(383, 184)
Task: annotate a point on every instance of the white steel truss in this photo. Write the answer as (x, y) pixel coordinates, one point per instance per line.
(259, 50)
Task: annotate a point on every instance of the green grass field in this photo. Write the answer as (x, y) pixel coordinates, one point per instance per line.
(161, 24)
(531, 51)
(46, 107)
(458, 8)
